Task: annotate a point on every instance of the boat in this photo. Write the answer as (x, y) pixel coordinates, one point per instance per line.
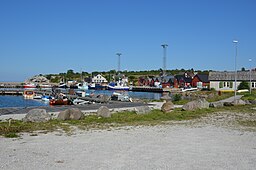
(117, 86)
(29, 86)
(59, 102)
(80, 102)
(97, 86)
(82, 86)
(120, 97)
(37, 96)
(47, 98)
(63, 85)
(188, 89)
(28, 94)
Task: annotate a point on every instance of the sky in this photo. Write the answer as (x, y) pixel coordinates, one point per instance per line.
(53, 36)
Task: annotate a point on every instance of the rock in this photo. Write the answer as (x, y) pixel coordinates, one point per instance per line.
(253, 101)
(247, 102)
(103, 111)
(239, 102)
(37, 115)
(70, 114)
(64, 115)
(228, 104)
(142, 110)
(166, 97)
(216, 104)
(196, 104)
(167, 107)
(75, 114)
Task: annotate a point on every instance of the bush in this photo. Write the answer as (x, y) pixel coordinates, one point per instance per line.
(176, 97)
(243, 85)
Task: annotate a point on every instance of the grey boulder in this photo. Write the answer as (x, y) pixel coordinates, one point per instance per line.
(103, 111)
(142, 110)
(37, 115)
(167, 107)
(70, 114)
(196, 104)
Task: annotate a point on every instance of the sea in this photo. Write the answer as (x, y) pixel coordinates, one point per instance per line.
(7, 101)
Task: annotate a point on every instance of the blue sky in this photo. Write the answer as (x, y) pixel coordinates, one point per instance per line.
(52, 36)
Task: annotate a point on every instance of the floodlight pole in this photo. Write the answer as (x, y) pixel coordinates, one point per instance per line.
(164, 58)
(250, 60)
(235, 42)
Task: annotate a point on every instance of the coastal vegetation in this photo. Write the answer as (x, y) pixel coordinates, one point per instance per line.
(155, 117)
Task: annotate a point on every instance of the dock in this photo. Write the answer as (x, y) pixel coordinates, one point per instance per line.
(146, 89)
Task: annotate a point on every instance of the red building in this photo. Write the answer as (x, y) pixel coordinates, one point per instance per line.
(200, 81)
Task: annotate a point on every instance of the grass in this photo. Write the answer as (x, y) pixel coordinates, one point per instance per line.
(117, 119)
(248, 123)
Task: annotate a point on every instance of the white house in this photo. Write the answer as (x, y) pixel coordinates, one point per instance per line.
(99, 79)
(225, 80)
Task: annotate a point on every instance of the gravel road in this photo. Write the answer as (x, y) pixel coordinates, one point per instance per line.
(184, 145)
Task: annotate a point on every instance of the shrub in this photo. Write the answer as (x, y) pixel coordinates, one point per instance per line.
(243, 85)
(176, 97)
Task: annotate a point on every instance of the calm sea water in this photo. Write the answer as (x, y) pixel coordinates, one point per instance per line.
(19, 101)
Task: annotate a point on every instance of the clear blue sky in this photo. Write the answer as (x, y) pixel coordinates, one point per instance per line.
(52, 36)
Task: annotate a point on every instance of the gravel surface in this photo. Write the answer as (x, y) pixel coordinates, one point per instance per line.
(200, 144)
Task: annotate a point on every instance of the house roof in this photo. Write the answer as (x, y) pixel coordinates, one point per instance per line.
(230, 76)
(203, 77)
(183, 77)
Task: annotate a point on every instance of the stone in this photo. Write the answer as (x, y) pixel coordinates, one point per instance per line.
(64, 115)
(196, 104)
(166, 97)
(142, 110)
(239, 102)
(253, 102)
(103, 111)
(70, 114)
(247, 102)
(167, 107)
(216, 104)
(76, 114)
(37, 115)
(228, 104)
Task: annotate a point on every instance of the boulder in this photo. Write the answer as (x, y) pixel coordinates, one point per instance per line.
(103, 98)
(142, 110)
(196, 104)
(166, 97)
(239, 102)
(103, 111)
(76, 114)
(228, 104)
(167, 107)
(216, 104)
(253, 101)
(247, 102)
(70, 114)
(64, 115)
(37, 115)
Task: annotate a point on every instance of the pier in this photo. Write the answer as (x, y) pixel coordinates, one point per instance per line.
(146, 89)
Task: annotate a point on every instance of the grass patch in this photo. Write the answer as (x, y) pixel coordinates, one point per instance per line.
(11, 135)
(116, 120)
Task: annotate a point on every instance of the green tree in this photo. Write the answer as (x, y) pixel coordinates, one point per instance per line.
(243, 85)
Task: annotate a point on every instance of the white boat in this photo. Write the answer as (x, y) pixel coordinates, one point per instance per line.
(117, 86)
(28, 94)
(83, 86)
(189, 89)
(29, 86)
(80, 102)
(37, 96)
(47, 98)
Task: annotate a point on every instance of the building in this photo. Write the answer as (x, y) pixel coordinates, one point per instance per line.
(225, 81)
(201, 81)
(99, 79)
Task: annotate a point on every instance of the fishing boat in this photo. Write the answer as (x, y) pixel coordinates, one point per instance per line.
(28, 94)
(29, 86)
(59, 102)
(47, 98)
(117, 86)
(82, 86)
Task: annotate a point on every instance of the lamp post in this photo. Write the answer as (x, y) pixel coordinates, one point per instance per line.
(164, 58)
(118, 68)
(235, 42)
(250, 60)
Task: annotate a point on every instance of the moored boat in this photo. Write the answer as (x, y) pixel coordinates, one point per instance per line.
(59, 102)
(29, 85)
(28, 94)
(117, 86)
